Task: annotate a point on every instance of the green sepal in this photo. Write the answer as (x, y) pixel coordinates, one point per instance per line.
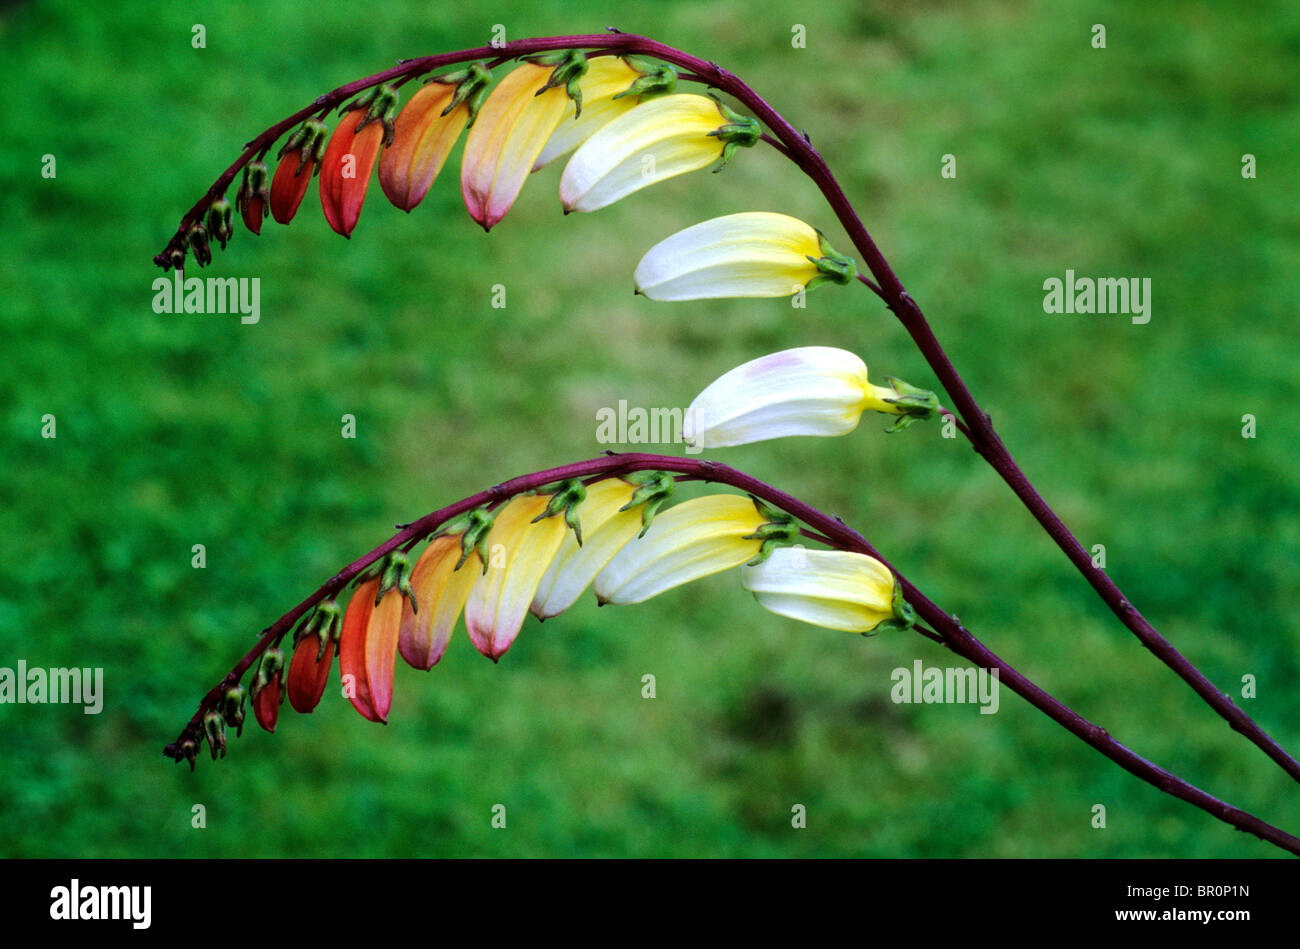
(396, 575)
(197, 238)
(567, 497)
(904, 615)
(656, 78)
(473, 527)
(214, 727)
(254, 185)
(325, 622)
(740, 131)
(232, 708)
(272, 664)
(471, 85)
(914, 404)
(780, 528)
(653, 488)
(309, 139)
(380, 104)
(219, 221)
(569, 68)
(832, 266)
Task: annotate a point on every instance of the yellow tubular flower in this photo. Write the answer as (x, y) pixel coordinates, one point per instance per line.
(440, 590)
(605, 531)
(657, 140)
(696, 538)
(834, 589)
(753, 254)
(510, 132)
(607, 77)
(519, 552)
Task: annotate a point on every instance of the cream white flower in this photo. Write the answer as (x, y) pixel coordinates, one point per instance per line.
(659, 139)
(696, 538)
(606, 529)
(752, 254)
(835, 589)
(812, 390)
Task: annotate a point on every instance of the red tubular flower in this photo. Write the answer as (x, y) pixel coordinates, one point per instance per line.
(350, 157)
(313, 654)
(299, 159)
(352, 648)
(266, 691)
(253, 198)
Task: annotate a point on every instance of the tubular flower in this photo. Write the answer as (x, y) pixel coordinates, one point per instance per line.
(253, 197)
(695, 539)
(350, 157)
(836, 589)
(368, 644)
(659, 139)
(313, 654)
(611, 87)
(812, 390)
(266, 691)
(753, 254)
(441, 582)
(521, 544)
(299, 159)
(610, 516)
(425, 132)
(510, 132)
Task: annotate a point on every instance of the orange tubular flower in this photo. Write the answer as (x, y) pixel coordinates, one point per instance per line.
(511, 130)
(350, 158)
(425, 132)
(440, 591)
(299, 160)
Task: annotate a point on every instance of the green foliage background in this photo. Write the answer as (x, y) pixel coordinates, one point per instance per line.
(176, 430)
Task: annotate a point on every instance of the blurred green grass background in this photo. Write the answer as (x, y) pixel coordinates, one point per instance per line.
(177, 430)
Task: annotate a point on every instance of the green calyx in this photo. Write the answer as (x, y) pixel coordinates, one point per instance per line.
(220, 221)
(473, 527)
(653, 488)
(471, 87)
(254, 185)
(911, 403)
(832, 266)
(380, 104)
(214, 728)
(570, 66)
(232, 708)
(395, 574)
(656, 78)
(325, 622)
(197, 238)
(566, 499)
(309, 141)
(904, 615)
(779, 529)
(739, 131)
(272, 665)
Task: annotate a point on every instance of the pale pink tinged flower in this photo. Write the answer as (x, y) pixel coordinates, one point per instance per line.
(519, 553)
(510, 132)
